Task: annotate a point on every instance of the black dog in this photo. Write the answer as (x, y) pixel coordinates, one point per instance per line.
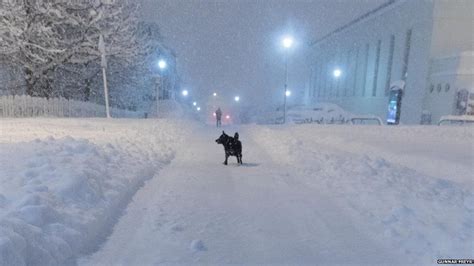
(232, 146)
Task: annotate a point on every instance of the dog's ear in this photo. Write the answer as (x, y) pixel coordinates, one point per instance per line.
(223, 132)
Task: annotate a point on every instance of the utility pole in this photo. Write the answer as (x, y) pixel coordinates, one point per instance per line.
(103, 64)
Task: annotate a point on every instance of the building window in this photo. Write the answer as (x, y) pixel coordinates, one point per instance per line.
(376, 68)
(389, 64)
(431, 88)
(406, 55)
(356, 70)
(320, 83)
(366, 64)
(447, 87)
(324, 80)
(314, 78)
(348, 71)
(438, 88)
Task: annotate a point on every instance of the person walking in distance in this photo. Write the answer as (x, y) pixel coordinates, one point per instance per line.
(218, 117)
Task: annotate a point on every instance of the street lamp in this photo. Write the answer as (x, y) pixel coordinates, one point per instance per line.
(214, 94)
(194, 103)
(288, 93)
(185, 93)
(103, 64)
(287, 43)
(337, 74)
(236, 98)
(162, 66)
(198, 108)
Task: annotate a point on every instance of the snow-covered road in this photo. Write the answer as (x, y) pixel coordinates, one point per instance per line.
(198, 210)
(72, 191)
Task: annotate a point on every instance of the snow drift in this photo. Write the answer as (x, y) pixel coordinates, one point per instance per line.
(424, 216)
(65, 182)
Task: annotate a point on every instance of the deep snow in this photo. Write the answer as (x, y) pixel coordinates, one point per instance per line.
(357, 195)
(64, 182)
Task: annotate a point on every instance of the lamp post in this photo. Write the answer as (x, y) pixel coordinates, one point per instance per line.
(103, 64)
(162, 66)
(337, 74)
(287, 44)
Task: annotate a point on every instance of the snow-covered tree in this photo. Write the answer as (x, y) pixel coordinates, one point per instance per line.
(43, 36)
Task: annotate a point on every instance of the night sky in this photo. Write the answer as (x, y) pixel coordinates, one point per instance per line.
(233, 46)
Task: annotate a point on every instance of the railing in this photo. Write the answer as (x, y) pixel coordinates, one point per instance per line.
(457, 119)
(27, 106)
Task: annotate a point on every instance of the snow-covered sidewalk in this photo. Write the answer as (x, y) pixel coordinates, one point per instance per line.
(200, 211)
(64, 182)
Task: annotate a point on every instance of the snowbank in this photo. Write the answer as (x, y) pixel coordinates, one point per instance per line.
(65, 182)
(426, 217)
(322, 113)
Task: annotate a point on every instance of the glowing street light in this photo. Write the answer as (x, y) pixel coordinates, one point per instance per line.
(214, 94)
(198, 108)
(162, 64)
(287, 42)
(337, 73)
(194, 103)
(288, 93)
(185, 93)
(236, 98)
(227, 117)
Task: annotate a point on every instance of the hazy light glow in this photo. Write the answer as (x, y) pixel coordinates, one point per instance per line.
(198, 108)
(287, 42)
(185, 92)
(213, 114)
(287, 93)
(227, 116)
(337, 73)
(214, 94)
(162, 64)
(194, 103)
(236, 98)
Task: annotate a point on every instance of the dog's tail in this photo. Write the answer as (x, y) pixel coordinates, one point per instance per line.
(236, 136)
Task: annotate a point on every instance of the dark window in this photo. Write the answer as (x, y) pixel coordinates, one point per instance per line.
(320, 75)
(389, 64)
(376, 68)
(324, 79)
(313, 81)
(406, 55)
(366, 63)
(354, 84)
(438, 88)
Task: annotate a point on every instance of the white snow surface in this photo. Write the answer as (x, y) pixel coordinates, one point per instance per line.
(63, 183)
(148, 192)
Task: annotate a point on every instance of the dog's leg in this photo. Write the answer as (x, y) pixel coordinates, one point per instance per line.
(226, 157)
(240, 157)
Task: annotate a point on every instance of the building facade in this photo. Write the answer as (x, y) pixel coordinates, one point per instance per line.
(424, 43)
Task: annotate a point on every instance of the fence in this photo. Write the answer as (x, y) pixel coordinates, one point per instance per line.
(27, 106)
